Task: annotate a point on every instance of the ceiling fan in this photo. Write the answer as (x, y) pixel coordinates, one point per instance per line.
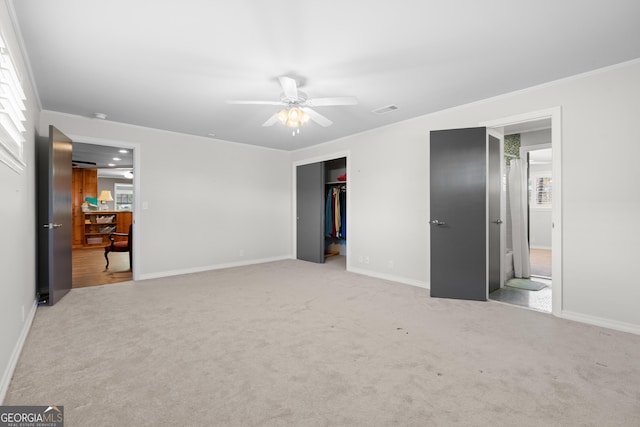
(297, 111)
(76, 163)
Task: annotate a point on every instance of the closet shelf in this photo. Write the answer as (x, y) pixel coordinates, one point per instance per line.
(335, 182)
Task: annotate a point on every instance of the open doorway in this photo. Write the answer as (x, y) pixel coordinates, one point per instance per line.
(103, 209)
(540, 196)
(528, 225)
(533, 247)
(321, 210)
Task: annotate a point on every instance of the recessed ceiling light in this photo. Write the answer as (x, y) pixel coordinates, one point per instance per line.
(101, 116)
(211, 135)
(117, 159)
(123, 151)
(111, 164)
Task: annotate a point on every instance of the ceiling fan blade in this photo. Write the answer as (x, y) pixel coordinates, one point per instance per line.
(336, 100)
(272, 121)
(256, 102)
(289, 87)
(86, 163)
(317, 117)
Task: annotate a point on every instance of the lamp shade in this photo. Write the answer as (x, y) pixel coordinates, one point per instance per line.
(105, 196)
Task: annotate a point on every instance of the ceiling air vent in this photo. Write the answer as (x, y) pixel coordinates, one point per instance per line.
(384, 110)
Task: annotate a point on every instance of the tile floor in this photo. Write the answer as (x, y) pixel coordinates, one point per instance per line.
(535, 300)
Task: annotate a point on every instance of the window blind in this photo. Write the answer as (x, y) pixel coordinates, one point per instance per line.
(12, 105)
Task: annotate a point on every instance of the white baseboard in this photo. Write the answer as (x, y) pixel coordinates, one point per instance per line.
(602, 322)
(390, 277)
(548, 248)
(211, 267)
(15, 355)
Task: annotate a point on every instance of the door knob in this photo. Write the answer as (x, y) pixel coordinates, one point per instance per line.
(499, 221)
(52, 225)
(437, 222)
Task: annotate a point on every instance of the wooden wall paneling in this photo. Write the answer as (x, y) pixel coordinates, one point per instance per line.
(84, 183)
(123, 221)
(90, 183)
(77, 217)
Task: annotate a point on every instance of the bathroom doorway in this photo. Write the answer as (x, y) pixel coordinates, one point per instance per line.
(532, 256)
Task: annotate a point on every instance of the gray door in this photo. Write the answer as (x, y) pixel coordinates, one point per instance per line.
(458, 164)
(54, 216)
(310, 212)
(495, 221)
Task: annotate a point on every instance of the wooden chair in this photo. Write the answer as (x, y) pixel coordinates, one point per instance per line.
(120, 246)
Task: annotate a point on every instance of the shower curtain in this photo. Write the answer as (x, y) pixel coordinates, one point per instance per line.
(519, 211)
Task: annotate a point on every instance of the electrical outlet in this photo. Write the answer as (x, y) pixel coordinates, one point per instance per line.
(390, 264)
(366, 260)
(241, 252)
(360, 259)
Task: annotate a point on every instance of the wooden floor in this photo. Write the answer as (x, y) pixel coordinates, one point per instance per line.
(89, 263)
(540, 262)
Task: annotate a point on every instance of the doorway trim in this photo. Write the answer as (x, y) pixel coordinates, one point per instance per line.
(524, 151)
(137, 155)
(555, 114)
(294, 187)
(496, 133)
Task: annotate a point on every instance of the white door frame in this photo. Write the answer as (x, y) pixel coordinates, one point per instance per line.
(499, 135)
(555, 114)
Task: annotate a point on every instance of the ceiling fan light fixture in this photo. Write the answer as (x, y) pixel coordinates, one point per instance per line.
(293, 117)
(298, 107)
(283, 116)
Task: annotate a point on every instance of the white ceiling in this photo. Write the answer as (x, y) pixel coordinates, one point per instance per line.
(111, 162)
(173, 64)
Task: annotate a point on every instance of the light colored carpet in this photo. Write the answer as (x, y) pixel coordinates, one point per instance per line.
(293, 343)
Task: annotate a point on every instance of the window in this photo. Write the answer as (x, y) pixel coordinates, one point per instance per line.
(11, 112)
(541, 191)
(123, 196)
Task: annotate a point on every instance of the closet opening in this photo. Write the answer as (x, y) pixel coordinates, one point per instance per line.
(335, 217)
(321, 211)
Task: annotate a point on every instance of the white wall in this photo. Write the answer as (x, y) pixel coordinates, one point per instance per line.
(540, 228)
(17, 216)
(389, 185)
(387, 205)
(210, 203)
(536, 137)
